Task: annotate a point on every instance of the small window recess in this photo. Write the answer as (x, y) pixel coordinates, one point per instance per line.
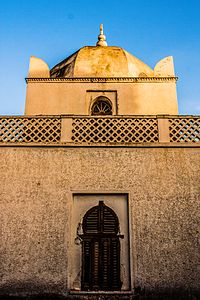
(101, 107)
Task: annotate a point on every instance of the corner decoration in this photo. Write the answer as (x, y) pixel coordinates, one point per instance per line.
(100, 250)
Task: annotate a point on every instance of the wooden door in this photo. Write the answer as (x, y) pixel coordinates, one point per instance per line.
(100, 249)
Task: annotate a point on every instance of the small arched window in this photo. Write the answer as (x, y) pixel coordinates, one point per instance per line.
(101, 106)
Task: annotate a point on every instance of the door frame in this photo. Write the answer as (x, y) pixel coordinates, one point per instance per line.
(78, 197)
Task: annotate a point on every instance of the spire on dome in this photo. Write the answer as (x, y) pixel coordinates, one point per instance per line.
(101, 28)
(101, 38)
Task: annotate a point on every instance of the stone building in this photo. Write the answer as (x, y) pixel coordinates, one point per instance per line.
(100, 183)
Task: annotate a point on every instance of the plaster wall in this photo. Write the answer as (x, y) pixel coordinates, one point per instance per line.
(55, 98)
(37, 229)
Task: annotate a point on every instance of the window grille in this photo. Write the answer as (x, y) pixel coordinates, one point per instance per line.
(101, 106)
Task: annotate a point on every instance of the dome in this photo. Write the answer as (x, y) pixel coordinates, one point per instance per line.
(101, 61)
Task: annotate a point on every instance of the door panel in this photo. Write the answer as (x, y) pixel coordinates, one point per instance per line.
(100, 250)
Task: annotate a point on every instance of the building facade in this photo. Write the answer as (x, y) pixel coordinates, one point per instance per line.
(100, 182)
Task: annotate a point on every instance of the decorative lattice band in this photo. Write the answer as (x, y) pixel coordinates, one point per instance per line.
(184, 129)
(86, 130)
(30, 130)
(115, 130)
(103, 79)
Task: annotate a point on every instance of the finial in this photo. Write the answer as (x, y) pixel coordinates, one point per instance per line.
(101, 28)
(101, 38)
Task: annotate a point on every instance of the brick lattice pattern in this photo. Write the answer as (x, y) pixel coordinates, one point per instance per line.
(114, 130)
(28, 130)
(97, 129)
(184, 129)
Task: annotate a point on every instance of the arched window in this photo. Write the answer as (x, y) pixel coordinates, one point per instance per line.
(100, 250)
(101, 106)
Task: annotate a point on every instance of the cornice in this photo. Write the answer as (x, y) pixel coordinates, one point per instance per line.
(103, 79)
(102, 145)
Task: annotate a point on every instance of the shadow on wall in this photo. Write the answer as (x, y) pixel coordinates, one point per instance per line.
(138, 294)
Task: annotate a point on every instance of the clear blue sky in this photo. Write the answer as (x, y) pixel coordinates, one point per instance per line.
(52, 30)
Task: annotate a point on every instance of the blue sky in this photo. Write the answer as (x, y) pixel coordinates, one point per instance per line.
(52, 30)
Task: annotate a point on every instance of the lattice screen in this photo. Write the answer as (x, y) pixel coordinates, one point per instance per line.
(30, 130)
(123, 130)
(184, 130)
(97, 130)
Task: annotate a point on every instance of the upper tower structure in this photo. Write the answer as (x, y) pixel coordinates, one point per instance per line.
(128, 84)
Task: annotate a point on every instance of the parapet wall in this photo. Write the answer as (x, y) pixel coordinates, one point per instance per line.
(108, 130)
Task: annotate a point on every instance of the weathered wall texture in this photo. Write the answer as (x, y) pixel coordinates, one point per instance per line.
(37, 186)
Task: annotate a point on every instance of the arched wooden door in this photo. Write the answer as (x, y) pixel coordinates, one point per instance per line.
(100, 250)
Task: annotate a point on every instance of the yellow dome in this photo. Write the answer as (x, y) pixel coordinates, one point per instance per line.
(100, 61)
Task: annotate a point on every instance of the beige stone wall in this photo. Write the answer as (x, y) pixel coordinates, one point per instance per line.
(37, 187)
(55, 98)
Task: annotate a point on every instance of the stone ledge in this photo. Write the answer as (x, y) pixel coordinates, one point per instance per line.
(102, 145)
